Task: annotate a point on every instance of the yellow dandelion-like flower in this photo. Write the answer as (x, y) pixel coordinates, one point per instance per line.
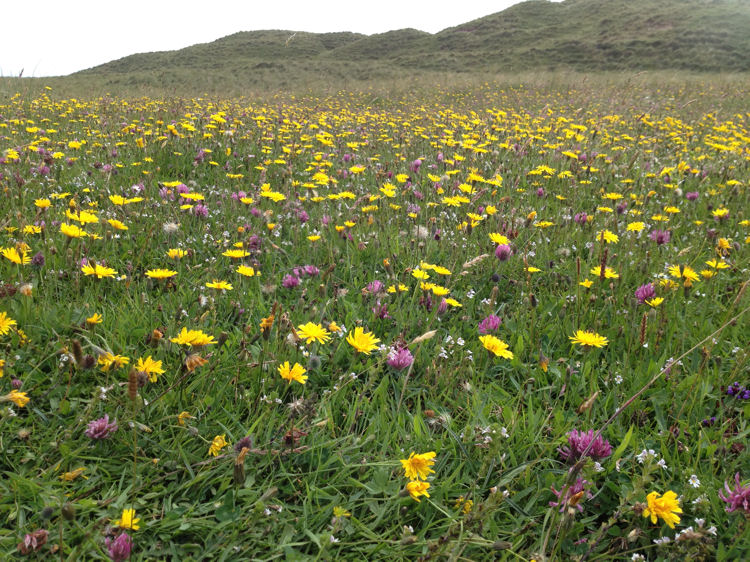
(311, 332)
(418, 466)
(363, 342)
(665, 507)
(293, 373)
(496, 346)
(588, 339)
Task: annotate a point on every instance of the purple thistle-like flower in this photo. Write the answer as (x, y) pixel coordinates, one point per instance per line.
(737, 499)
(578, 442)
(660, 236)
(489, 324)
(38, 260)
(414, 166)
(400, 358)
(119, 549)
(645, 292)
(581, 218)
(290, 281)
(244, 443)
(101, 428)
(503, 252)
(573, 495)
(691, 195)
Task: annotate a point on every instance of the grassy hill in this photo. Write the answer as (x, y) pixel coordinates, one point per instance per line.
(579, 35)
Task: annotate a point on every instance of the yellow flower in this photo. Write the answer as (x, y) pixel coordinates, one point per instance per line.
(636, 226)
(419, 274)
(182, 416)
(6, 323)
(586, 283)
(128, 520)
(363, 342)
(665, 507)
(150, 367)
(13, 255)
(160, 273)
(418, 466)
(108, 360)
(333, 327)
(656, 301)
(295, 373)
(418, 488)
(217, 445)
(608, 237)
(219, 285)
(20, 399)
(339, 511)
(42, 203)
(2, 366)
(193, 337)
(96, 318)
(312, 333)
(99, 271)
(176, 253)
(235, 253)
(496, 346)
(609, 273)
(463, 504)
(246, 270)
(499, 239)
(118, 225)
(588, 339)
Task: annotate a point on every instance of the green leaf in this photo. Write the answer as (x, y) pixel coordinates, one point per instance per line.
(621, 448)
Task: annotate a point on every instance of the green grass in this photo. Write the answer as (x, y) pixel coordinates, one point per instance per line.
(495, 424)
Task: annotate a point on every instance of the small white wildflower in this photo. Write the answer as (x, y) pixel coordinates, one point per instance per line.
(711, 530)
(662, 463)
(700, 522)
(504, 432)
(700, 499)
(694, 482)
(598, 467)
(618, 379)
(662, 540)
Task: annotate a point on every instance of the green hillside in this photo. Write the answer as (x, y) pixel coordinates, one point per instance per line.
(579, 35)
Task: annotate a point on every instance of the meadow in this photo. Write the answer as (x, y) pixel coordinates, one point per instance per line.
(503, 321)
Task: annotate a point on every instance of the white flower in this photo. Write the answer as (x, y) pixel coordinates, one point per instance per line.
(662, 540)
(700, 522)
(598, 467)
(645, 455)
(711, 530)
(504, 432)
(618, 379)
(662, 463)
(694, 482)
(637, 556)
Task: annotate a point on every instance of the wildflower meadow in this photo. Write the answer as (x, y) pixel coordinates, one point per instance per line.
(487, 323)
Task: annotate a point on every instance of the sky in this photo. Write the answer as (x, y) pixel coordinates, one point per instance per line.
(53, 38)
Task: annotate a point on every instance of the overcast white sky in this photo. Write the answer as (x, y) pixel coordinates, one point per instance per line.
(55, 37)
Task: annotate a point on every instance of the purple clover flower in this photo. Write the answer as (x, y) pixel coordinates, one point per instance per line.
(691, 195)
(581, 218)
(579, 441)
(101, 428)
(660, 236)
(400, 358)
(290, 281)
(119, 548)
(503, 252)
(489, 324)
